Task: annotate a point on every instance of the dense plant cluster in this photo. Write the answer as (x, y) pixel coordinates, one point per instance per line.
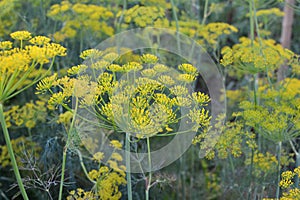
(62, 99)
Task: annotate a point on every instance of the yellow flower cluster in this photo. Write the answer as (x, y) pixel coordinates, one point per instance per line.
(116, 144)
(263, 163)
(277, 116)
(261, 55)
(143, 105)
(286, 179)
(107, 179)
(17, 65)
(20, 35)
(142, 16)
(288, 176)
(27, 115)
(149, 58)
(287, 183)
(79, 16)
(206, 35)
(65, 118)
(80, 194)
(271, 11)
(230, 142)
(20, 145)
(292, 194)
(212, 31)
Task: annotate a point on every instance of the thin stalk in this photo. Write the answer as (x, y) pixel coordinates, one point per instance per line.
(251, 22)
(81, 41)
(65, 151)
(278, 168)
(260, 41)
(11, 153)
(148, 186)
(192, 173)
(255, 88)
(119, 23)
(231, 164)
(182, 176)
(205, 12)
(177, 26)
(251, 8)
(83, 167)
(297, 165)
(128, 174)
(250, 174)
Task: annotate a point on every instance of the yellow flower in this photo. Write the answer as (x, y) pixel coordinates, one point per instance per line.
(188, 68)
(274, 11)
(91, 53)
(149, 58)
(76, 70)
(40, 40)
(297, 171)
(201, 98)
(116, 156)
(116, 144)
(161, 68)
(179, 90)
(5, 45)
(187, 78)
(166, 80)
(98, 156)
(45, 84)
(21, 35)
(65, 118)
(30, 124)
(148, 73)
(114, 68)
(54, 49)
(38, 54)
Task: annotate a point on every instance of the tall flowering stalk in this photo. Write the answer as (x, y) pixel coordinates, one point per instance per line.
(142, 98)
(265, 113)
(16, 66)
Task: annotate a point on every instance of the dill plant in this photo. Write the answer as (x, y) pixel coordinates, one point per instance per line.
(141, 98)
(17, 62)
(270, 112)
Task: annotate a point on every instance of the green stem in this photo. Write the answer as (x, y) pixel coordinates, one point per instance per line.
(65, 152)
(278, 172)
(177, 26)
(297, 165)
(63, 172)
(11, 153)
(128, 174)
(231, 164)
(148, 186)
(250, 174)
(205, 12)
(182, 176)
(83, 167)
(251, 22)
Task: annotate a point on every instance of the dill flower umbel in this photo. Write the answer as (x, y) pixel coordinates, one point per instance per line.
(21, 35)
(78, 17)
(17, 64)
(277, 117)
(144, 104)
(261, 55)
